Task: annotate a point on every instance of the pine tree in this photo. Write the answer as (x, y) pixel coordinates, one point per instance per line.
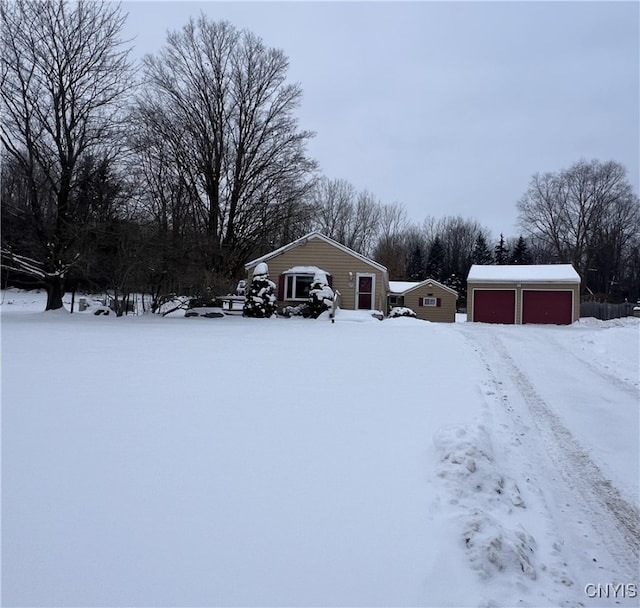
(454, 281)
(260, 302)
(521, 254)
(501, 251)
(481, 254)
(320, 295)
(435, 263)
(416, 265)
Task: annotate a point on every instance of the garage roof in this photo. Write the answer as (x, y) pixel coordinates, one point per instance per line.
(532, 273)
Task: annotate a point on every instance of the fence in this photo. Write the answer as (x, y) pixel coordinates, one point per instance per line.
(606, 311)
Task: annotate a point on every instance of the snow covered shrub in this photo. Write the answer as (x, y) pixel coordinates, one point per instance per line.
(301, 310)
(260, 301)
(320, 295)
(401, 311)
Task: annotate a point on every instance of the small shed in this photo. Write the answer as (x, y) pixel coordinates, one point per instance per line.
(429, 299)
(516, 294)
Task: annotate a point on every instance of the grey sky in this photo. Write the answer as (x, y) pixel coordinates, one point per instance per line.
(447, 107)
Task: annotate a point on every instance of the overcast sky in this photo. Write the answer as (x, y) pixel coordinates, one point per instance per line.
(446, 107)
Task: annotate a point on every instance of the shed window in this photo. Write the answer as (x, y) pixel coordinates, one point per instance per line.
(429, 301)
(297, 286)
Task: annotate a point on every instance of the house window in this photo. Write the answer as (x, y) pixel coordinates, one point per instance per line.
(429, 301)
(297, 286)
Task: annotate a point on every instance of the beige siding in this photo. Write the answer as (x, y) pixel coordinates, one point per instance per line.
(519, 288)
(445, 313)
(336, 262)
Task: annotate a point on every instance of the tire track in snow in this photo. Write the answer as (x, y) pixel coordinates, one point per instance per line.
(615, 519)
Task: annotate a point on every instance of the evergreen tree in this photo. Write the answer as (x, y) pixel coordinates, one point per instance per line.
(320, 295)
(455, 282)
(260, 302)
(481, 254)
(416, 265)
(501, 251)
(435, 263)
(521, 254)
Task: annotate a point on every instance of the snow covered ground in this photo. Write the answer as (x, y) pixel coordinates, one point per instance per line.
(154, 461)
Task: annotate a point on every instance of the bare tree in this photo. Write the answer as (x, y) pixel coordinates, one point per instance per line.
(394, 235)
(219, 99)
(63, 73)
(459, 237)
(393, 220)
(352, 218)
(611, 251)
(581, 211)
(176, 251)
(364, 229)
(332, 203)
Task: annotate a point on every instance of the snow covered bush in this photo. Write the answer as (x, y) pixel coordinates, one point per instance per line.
(401, 311)
(320, 295)
(260, 301)
(301, 310)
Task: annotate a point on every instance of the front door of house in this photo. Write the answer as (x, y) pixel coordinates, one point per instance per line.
(365, 293)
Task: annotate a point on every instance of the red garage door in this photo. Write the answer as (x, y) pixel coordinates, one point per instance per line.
(547, 307)
(494, 305)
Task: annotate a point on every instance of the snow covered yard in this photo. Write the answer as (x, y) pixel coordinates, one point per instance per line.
(263, 462)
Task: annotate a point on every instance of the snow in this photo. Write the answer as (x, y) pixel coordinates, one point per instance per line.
(399, 287)
(153, 461)
(261, 269)
(401, 311)
(540, 273)
(303, 270)
(320, 277)
(320, 290)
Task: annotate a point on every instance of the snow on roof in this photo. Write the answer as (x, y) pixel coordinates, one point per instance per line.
(532, 273)
(402, 287)
(304, 270)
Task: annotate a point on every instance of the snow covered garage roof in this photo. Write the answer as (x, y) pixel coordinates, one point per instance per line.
(532, 273)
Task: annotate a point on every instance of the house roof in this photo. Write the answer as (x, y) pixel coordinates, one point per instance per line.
(400, 288)
(528, 273)
(308, 237)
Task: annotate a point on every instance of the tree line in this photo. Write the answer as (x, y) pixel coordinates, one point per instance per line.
(168, 176)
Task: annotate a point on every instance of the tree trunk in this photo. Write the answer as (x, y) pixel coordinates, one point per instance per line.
(55, 291)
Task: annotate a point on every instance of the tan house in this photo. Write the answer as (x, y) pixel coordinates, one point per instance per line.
(538, 293)
(363, 284)
(429, 299)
